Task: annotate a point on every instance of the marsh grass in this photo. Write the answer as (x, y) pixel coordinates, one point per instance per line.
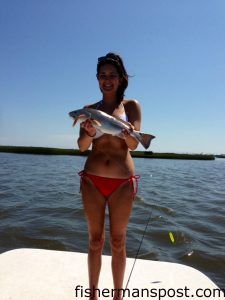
(142, 154)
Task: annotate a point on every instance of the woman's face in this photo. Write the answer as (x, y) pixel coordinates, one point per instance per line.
(108, 78)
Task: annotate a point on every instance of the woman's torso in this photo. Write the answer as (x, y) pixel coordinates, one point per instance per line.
(110, 156)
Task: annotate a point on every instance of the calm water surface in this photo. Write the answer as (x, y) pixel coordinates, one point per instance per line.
(40, 207)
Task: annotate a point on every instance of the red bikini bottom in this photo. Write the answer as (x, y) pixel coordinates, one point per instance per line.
(106, 186)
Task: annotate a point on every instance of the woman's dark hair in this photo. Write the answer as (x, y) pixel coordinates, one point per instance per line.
(115, 60)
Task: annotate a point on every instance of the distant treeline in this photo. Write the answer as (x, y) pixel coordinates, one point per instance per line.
(220, 156)
(142, 154)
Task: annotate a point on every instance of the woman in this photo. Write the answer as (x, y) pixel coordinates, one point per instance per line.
(108, 177)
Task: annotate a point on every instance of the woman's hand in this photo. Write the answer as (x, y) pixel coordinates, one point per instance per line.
(90, 130)
(87, 133)
(130, 140)
(126, 132)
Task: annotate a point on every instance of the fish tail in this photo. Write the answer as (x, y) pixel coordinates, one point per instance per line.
(144, 139)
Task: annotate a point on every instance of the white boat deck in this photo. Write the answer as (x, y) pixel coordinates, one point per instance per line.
(34, 274)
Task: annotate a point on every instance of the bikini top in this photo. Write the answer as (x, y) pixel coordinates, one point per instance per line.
(122, 116)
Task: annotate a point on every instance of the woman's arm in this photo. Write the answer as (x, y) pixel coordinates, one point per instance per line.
(133, 111)
(87, 133)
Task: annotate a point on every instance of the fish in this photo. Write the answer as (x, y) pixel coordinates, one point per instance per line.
(109, 124)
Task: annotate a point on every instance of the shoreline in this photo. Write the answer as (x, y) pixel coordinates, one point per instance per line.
(76, 152)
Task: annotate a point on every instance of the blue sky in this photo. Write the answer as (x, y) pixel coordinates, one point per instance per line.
(173, 49)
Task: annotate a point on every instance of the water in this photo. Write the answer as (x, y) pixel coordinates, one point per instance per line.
(40, 207)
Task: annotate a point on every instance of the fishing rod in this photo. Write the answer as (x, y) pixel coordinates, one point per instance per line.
(171, 236)
(137, 253)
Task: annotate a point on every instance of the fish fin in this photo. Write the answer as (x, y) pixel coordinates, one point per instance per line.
(74, 123)
(81, 118)
(96, 122)
(144, 138)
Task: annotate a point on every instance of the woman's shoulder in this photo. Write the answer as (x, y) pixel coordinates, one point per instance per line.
(93, 105)
(131, 104)
(132, 109)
